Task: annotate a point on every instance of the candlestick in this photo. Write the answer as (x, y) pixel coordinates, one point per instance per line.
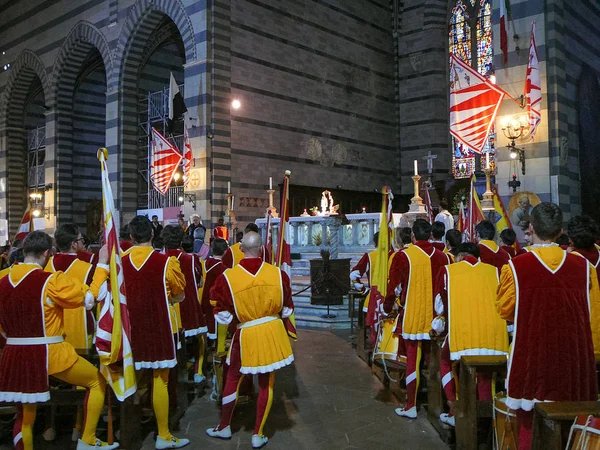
(487, 160)
(487, 204)
(271, 208)
(270, 182)
(416, 168)
(416, 206)
(229, 187)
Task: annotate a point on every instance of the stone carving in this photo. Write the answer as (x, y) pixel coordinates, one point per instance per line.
(416, 61)
(339, 153)
(314, 149)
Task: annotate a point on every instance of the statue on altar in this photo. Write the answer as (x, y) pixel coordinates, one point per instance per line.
(327, 206)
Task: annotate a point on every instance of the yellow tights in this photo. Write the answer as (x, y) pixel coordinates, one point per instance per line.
(160, 401)
(24, 433)
(201, 350)
(83, 373)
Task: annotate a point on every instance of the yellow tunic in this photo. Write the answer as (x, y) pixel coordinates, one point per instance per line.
(236, 253)
(61, 292)
(258, 301)
(475, 328)
(372, 262)
(4, 272)
(75, 320)
(418, 308)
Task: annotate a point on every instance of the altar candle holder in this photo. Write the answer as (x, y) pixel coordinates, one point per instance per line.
(271, 208)
(416, 203)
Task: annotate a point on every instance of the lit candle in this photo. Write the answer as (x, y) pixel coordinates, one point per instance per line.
(271, 183)
(487, 160)
(416, 168)
(229, 187)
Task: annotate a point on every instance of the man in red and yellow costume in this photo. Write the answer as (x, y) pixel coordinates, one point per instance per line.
(466, 301)
(545, 292)
(364, 267)
(491, 253)
(153, 281)
(212, 267)
(257, 296)
(583, 232)
(438, 230)
(508, 238)
(411, 279)
(192, 317)
(221, 231)
(31, 311)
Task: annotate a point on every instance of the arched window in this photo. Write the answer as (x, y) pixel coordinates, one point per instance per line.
(470, 39)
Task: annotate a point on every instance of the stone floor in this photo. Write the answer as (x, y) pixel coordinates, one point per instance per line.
(327, 400)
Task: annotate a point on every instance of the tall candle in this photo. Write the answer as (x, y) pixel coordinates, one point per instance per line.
(416, 168)
(271, 183)
(229, 187)
(487, 160)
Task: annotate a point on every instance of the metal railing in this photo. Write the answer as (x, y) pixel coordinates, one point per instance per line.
(174, 197)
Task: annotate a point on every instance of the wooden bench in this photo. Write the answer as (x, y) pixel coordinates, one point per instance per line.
(363, 348)
(468, 409)
(552, 421)
(435, 392)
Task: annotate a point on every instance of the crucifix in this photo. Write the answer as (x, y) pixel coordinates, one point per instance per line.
(429, 159)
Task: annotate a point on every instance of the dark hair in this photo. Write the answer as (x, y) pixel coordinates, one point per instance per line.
(187, 243)
(65, 235)
(251, 227)
(17, 256)
(219, 246)
(437, 230)
(486, 230)
(238, 236)
(124, 233)
(158, 243)
(454, 239)
(583, 231)
(421, 229)
(36, 243)
(220, 222)
(172, 236)
(405, 235)
(155, 216)
(469, 248)
(508, 236)
(17, 242)
(525, 225)
(443, 203)
(376, 238)
(140, 229)
(547, 221)
(563, 239)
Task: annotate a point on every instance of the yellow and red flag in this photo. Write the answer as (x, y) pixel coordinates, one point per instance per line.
(269, 240)
(283, 258)
(26, 225)
(475, 213)
(113, 336)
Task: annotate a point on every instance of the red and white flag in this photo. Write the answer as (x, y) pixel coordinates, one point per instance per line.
(462, 223)
(113, 335)
(188, 157)
(533, 86)
(269, 239)
(474, 103)
(427, 202)
(164, 162)
(475, 212)
(26, 225)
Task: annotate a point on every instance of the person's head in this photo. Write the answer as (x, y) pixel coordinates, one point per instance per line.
(187, 243)
(453, 240)
(467, 249)
(486, 230)
(238, 236)
(546, 223)
(219, 247)
(583, 232)
(199, 234)
(437, 231)
(563, 240)
(421, 230)
(171, 236)
(158, 243)
(524, 202)
(376, 239)
(443, 204)
(181, 222)
(508, 237)
(220, 222)
(251, 227)
(195, 219)
(69, 239)
(124, 233)
(526, 232)
(405, 236)
(37, 248)
(140, 230)
(155, 219)
(251, 243)
(18, 243)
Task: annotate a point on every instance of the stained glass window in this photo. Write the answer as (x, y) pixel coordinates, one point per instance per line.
(466, 15)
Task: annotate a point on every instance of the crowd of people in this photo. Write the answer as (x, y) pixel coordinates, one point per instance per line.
(539, 306)
(178, 287)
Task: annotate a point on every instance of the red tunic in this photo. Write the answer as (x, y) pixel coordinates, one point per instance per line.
(438, 245)
(152, 341)
(512, 252)
(192, 317)
(496, 258)
(221, 232)
(552, 356)
(24, 368)
(212, 269)
(125, 245)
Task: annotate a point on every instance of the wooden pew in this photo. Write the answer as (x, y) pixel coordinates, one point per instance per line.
(468, 409)
(363, 349)
(551, 421)
(435, 392)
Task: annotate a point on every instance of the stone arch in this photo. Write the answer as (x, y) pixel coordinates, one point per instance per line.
(73, 59)
(81, 39)
(135, 42)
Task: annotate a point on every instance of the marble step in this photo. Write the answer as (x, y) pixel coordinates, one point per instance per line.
(338, 323)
